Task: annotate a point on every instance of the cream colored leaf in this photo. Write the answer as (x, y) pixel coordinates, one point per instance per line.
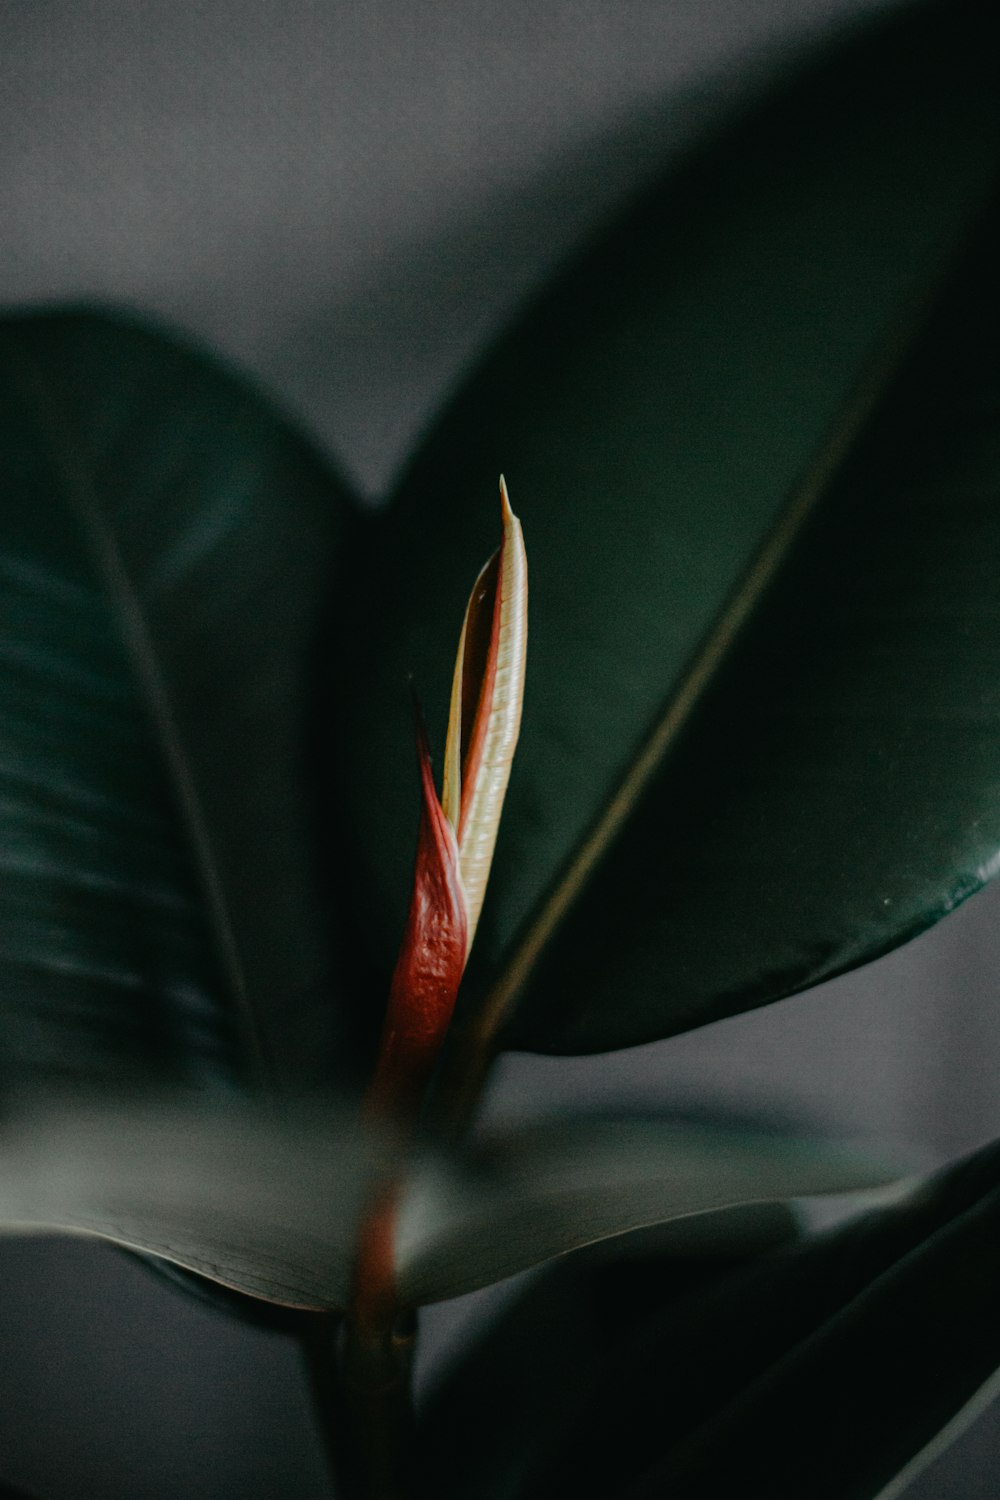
(485, 714)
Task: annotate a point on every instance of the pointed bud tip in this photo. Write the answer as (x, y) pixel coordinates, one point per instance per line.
(505, 510)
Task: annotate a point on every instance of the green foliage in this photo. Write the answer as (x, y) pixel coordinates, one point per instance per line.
(522, 1198)
(730, 387)
(272, 1206)
(752, 433)
(820, 1369)
(266, 1206)
(169, 561)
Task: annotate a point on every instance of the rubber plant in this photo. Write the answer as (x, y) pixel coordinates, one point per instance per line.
(752, 429)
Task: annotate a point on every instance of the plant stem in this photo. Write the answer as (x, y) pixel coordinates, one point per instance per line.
(377, 1381)
(377, 1361)
(320, 1340)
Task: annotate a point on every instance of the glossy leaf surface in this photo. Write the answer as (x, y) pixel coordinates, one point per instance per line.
(838, 789)
(553, 1188)
(167, 553)
(821, 1369)
(758, 707)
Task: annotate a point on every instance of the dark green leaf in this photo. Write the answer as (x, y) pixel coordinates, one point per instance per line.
(821, 1370)
(556, 1186)
(759, 734)
(537, 1361)
(167, 562)
(268, 1206)
(838, 789)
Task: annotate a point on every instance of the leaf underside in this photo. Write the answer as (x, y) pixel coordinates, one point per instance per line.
(268, 1207)
(545, 1191)
(538, 1359)
(845, 1357)
(821, 1369)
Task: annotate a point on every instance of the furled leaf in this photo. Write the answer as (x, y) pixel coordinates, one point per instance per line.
(266, 1205)
(429, 967)
(822, 1369)
(168, 566)
(760, 739)
(484, 717)
(457, 831)
(557, 1186)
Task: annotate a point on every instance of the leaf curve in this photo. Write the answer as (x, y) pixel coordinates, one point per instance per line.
(673, 412)
(881, 1330)
(544, 1352)
(685, 1373)
(553, 1188)
(271, 1205)
(268, 1206)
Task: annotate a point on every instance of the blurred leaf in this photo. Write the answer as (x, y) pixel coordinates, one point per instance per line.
(820, 1370)
(758, 500)
(264, 1204)
(269, 1204)
(554, 1187)
(167, 552)
(539, 1358)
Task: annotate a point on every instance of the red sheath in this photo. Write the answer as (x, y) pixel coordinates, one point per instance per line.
(430, 963)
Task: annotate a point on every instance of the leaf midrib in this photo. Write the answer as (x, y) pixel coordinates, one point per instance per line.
(901, 334)
(69, 466)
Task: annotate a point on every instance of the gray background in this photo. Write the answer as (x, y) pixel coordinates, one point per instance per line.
(348, 199)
